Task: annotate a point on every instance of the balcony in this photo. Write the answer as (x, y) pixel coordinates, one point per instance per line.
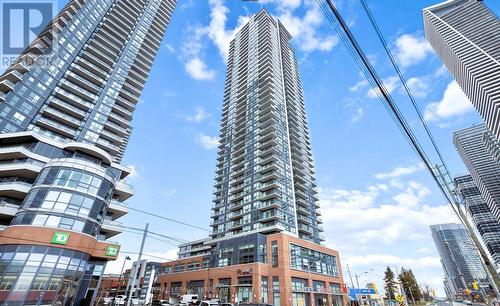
(123, 191)
(28, 168)
(117, 209)
(13, 76)
(14, 188)
(8, 209)
(107, 146)
(111, 228)
(6, 86)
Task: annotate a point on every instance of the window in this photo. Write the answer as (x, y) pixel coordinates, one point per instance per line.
(299, 284)
(313, 261)
(193, 266)
(264, 284)
(179, 268)
(276, 291)
(274, 253)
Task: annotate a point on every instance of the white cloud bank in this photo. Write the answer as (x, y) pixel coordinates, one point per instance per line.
(411, 49)
(454, 103)
(207, 142)
(304, 29)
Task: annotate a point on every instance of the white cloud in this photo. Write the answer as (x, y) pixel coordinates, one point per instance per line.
(198, 70)
(385, 225)
(216, 30)
(453, 104)
(411, 49)
(305, 29)
(419, 86)
(208, 142)
(358, 115)
(169, 193)
(412, 195)
(170, 48)
(360, 84)
(199, 115)
(193, 45)
(391, 260)
(399, 171)
(133, 171)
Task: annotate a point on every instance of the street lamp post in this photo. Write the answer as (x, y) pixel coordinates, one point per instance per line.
(357, 283)
(119, 279)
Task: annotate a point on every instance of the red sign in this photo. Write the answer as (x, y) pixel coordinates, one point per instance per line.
(244, 272)
(344, 288)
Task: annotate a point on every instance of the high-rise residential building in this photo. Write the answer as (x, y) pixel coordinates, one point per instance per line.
(65, 123)
(484, 169)
(464, 33)
(484, 221)
(460, 260)
(266, 223)
(265, 179)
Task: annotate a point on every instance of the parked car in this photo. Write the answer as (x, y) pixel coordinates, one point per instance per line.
(225, 304)
(256, 304)
(160, 302)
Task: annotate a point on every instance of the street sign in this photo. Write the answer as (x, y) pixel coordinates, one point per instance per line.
(60, 238)
(111, 250)
(400, 298)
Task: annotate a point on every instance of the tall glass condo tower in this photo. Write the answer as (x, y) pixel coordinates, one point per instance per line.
(265, 175)
(65, 124)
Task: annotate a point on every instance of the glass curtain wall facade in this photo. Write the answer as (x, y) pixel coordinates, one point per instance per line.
(470, 55)
(459, 258)
(484, 221)
(265, 175)
(66, 107)
(484, 169)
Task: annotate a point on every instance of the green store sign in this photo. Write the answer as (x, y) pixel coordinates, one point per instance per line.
(60, 238)
(112, 250)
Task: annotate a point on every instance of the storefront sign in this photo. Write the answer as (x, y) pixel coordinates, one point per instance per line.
(112, 250)
(244, 271)
(60, 238)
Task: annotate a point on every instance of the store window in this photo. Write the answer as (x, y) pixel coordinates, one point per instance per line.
(40, 275)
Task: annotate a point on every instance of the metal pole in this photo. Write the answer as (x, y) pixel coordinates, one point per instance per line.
(359, 290)
(350, 276)
(119, 280)
(134, 270)
(401, 287)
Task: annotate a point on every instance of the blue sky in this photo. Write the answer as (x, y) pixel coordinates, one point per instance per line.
(377, 201)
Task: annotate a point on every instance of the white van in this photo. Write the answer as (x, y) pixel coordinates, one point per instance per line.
(187, 299)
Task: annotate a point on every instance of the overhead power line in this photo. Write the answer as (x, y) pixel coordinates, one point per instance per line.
(169, 219)
(378, 85)
(403, 81)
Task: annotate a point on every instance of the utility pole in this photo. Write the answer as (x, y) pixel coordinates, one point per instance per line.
(350, 276)
(401, 287)
(134, 270)
(359, 289)
(120, 279)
